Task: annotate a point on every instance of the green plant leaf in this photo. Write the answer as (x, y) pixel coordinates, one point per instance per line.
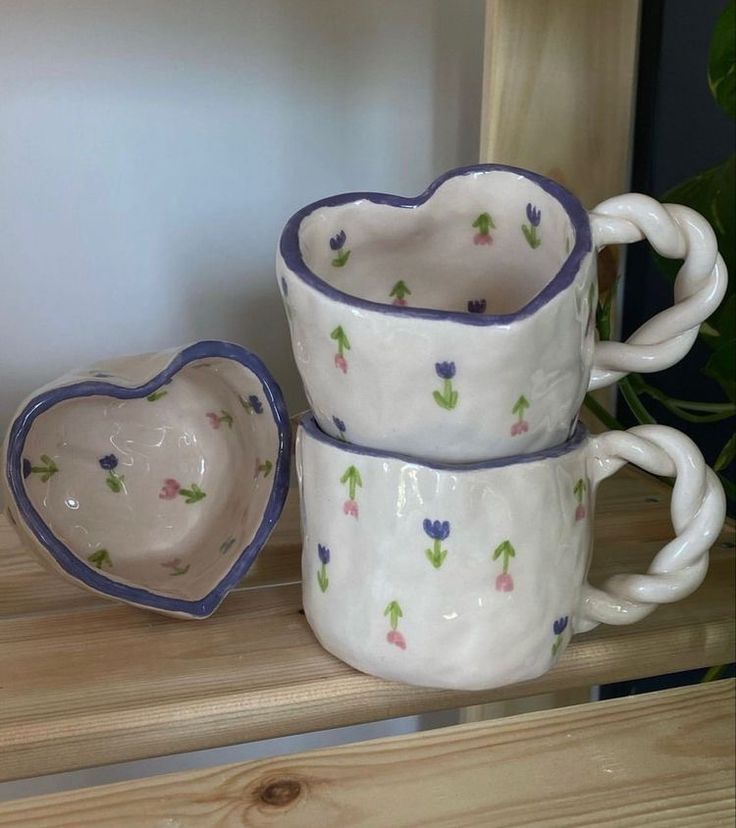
(722, 367)
(728, 452)
(722, 61)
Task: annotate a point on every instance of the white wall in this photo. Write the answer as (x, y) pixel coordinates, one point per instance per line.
(151, 150)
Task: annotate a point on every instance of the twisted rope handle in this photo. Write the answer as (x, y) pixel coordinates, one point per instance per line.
(676, 232)
(698, 510)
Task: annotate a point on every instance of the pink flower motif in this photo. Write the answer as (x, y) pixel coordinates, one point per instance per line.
(170, 489)
(400, 302)
(580, 512)
(214, 419)
(395, 637)
(341, 363)
(519, 428)
(482, 238)
(504, 582)
(350, 507)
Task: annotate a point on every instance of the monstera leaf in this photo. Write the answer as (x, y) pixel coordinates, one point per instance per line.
(721, 69)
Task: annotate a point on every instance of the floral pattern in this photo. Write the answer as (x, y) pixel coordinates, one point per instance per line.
(100, 559)
(172, 488)
(394, 636)
(447, 398)
(438, 531)
(113, 480)
(477, 306)
(340, 426)
(263, 468)
(353, 479)
(343, 344)
(176, 566)
(521, 426)
(227, 545)
(400, 291)
(337, 245)
(323, 553)
(483, 224)
(154, 396)
(579, 491)
(558, 628)
(216, 420)
(534, 216)
(505, 550)
(252, 405)
(46, 471)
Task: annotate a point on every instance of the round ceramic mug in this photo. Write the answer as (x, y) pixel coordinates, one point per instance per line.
(459, 325)
(474, 576)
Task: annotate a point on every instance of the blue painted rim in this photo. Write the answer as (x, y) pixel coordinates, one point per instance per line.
(292, 254)
(78, 569)
(309, 424)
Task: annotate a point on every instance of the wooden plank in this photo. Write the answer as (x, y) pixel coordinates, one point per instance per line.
(89, 681)
(559, 85)
(661, 759)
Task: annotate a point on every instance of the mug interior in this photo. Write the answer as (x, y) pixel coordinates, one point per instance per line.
(160, 492)
(485, 240)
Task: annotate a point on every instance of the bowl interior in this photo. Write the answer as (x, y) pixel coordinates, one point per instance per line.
(483, 242)
(161, 492)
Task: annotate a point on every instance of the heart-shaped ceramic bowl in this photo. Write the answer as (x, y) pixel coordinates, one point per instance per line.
(154, 479)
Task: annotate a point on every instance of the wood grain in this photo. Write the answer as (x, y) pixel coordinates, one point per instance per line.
(657, 760)
(85, 681)
(559, 86)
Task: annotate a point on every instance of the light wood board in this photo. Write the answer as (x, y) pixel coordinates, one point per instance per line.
(84, 681)
(559, 88)
(660, 760)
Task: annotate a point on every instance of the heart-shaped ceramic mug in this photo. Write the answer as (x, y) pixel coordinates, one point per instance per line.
(459, 325)
(474, 576)
(153, 479)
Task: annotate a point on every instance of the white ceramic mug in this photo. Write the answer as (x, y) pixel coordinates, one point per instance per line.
(459, 325)
(474, 576)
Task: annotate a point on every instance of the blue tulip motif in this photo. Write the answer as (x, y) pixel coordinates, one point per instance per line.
(534, 216)
(113, 480)
(477, 306)
(337, 245)
(323, 553)
(558, 627)
(447, 398)
(340, 426)
(437, 530)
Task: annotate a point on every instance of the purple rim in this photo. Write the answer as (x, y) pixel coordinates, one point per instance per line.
(202, 607)
(292, 254)
(309, 424)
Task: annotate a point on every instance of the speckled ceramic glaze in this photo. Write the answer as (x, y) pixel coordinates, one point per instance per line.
(459, 325)
(474, 576)
(152, 479)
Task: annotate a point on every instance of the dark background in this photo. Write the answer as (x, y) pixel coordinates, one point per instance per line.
(680, 131)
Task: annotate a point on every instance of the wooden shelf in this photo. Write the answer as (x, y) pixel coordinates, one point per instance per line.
(659, 759)
(85, 681)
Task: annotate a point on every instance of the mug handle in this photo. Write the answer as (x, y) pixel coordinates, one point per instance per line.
(698, 511)
(676, 232)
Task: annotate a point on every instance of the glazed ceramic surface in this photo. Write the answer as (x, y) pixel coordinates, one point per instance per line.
(153, 479)
(474, 576)
(459, 325)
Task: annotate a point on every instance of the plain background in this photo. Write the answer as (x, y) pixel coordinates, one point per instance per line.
(152, 150)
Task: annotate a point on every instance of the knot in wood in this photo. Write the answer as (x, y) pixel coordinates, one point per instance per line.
(281, 792)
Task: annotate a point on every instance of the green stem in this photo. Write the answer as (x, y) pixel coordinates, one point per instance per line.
(635, 404)
(600, 412)
(713, 673)
(714, 412)
(448, 389)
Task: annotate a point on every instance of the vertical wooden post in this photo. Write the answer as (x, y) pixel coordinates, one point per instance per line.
(559, 87)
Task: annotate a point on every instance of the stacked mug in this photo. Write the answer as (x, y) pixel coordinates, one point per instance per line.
(446, 343)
